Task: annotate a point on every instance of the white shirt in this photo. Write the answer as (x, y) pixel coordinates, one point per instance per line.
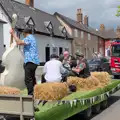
(53, 70)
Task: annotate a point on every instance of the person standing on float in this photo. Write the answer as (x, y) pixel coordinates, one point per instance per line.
(31, 60)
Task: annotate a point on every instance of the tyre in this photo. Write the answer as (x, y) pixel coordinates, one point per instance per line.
(96, 109)
(104, 104)
(116, 76)
(87, 114)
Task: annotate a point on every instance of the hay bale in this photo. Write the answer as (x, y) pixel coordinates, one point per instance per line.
(89, 83)
(9, 91)
(50, 91)
(103, 77)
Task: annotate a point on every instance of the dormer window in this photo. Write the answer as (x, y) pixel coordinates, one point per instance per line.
(49, 27)
(63, 30)
(29, 21)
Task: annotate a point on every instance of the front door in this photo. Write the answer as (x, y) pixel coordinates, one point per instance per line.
(60, 50)
(47, 53)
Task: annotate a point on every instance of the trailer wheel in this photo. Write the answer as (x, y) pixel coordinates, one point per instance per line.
(104, 104)
(96, 109)
(116, 76)
(87, 114)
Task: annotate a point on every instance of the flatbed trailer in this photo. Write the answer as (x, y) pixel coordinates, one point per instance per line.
(79, 102)
(16, 106)
(76, 103)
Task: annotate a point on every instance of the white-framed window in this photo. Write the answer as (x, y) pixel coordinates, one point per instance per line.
(79, 48)
(75, 33)
(82, 34)
(67, 49)
(55, 50)
(89, 36)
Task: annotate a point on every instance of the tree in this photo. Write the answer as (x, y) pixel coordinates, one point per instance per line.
(118, 11)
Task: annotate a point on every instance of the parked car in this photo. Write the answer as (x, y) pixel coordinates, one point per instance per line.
(99, 65)
(94, 65)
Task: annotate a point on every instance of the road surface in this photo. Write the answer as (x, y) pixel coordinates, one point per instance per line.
(113, 111)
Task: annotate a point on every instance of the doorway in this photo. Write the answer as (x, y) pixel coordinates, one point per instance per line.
(47, 53)
(60, 50)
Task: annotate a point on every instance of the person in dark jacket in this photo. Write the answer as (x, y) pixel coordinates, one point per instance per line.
(82, 68)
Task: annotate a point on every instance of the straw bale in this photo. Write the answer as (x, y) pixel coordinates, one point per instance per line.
(103, 77)
(84, 84)
(9, 91)
(50, 91)
(96, 80)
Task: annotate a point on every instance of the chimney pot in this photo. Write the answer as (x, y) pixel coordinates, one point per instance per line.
(102, 27)
(30, 3)
(118, 31)
(86, 21)
(79, 16)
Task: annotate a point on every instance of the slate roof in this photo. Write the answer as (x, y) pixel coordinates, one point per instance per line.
(77, 25)
(107, 34)
(1, 21)
(10, 7)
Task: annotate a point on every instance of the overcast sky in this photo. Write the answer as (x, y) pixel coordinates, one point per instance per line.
(99, 11)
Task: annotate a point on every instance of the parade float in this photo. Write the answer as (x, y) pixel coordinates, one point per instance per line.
(55, 102)
(52, 101)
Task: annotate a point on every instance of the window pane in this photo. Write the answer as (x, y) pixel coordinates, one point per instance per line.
(75, 32)
(55, 50)
(82, 34)
(89, 37)
(67, 49)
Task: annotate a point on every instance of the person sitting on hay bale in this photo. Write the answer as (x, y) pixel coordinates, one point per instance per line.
(82, 68)
(68, 62)
(53, 70)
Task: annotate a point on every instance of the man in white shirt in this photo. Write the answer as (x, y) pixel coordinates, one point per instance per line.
(53, 70)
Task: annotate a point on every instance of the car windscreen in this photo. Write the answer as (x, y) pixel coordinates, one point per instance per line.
(116, 50)
(94, 62)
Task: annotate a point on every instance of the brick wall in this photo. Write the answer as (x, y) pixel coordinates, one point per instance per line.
(101, 46)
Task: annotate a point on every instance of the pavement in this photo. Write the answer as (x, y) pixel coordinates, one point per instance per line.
(113, 111)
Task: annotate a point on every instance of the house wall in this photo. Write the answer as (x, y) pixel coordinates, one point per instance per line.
(101, 46)
(46, 41)
(86, 45)
(1, 41)
(92, 45)
(107, 47)
(82, 44)
(78, 41)
(6, 28)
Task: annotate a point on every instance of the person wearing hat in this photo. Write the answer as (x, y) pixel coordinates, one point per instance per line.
(31, 58)
(53, 70)
(82, 68)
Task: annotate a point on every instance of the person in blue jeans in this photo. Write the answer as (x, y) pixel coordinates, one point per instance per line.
(31, 60)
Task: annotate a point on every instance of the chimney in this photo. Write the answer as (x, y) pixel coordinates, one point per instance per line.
(102, 27)
(118, 31)
(30, 2)
(79, 16)
(86, 20)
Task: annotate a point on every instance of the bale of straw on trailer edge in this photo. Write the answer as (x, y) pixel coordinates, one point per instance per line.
(50, 91)
(9, 91)
(84, 84)
(96, 80)
(103, 77)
